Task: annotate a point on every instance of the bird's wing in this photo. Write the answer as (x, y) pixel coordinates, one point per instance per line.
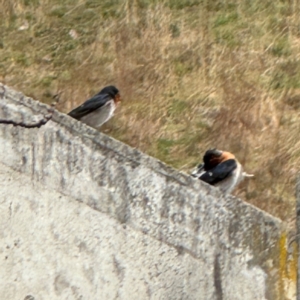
(90, 105)
(220, 172)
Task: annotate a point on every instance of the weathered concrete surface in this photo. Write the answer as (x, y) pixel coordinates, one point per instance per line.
(86, 217)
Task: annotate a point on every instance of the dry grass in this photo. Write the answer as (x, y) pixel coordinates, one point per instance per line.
(193, 74)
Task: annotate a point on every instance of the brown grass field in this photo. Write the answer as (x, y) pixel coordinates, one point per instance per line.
(193, 74)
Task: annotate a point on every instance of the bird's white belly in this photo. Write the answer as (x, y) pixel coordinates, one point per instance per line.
(100, 116)
(228, 184)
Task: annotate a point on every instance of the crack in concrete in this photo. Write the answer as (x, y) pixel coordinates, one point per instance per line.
(218, 278)
(45, 119)
(32, 125)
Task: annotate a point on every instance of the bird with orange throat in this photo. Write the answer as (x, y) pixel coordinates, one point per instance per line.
(220, 169)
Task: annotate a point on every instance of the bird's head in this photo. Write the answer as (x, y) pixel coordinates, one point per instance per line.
(213, 157)
(113, 92)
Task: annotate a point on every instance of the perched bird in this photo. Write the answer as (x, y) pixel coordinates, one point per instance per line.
(99, 109)
(221, 169)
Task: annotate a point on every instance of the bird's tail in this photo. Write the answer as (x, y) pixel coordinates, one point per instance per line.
(198, 171)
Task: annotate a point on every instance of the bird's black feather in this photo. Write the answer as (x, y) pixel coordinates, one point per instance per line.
(220, 172)
(90, 105)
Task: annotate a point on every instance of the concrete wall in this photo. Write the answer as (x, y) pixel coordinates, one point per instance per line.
(84, 216)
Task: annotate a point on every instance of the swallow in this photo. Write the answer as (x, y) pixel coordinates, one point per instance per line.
(221, 169)
(98, 109)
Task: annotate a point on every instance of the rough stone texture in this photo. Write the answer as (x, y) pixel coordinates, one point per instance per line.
(84, 216)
